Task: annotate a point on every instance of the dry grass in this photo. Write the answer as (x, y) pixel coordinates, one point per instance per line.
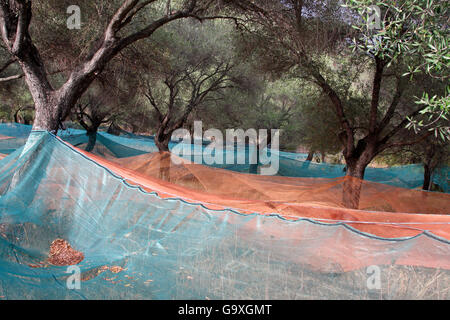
(254, 276)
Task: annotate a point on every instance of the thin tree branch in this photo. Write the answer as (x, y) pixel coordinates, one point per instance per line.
(379, 66)
(400, 126)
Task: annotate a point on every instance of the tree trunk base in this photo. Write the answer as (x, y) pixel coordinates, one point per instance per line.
(164, 166)
(351, 192)
(163, 145)
(92, 140)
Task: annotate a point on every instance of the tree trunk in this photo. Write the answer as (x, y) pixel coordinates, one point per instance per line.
(164, 167)
(162, 141)
(163, 136)
(357, 160)
(18, 118)
(356, 167)
(51, 107)
(428, 166)
(310, 156)
(353, 182)
(426, 177)
(47, 118)
(92, 140)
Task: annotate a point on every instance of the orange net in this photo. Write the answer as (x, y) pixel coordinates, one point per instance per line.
(384, 211)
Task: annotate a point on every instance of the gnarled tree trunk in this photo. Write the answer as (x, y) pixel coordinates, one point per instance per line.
(352, 184)
(426, 177)
(310, 155)
(357, 162)
(429, 166)
(50, 111)
(162, 139)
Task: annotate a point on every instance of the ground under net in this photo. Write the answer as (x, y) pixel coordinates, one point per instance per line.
(145, 238)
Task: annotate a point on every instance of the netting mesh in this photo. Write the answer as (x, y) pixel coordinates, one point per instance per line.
(13, 136)
(290, 164)
(151, 233)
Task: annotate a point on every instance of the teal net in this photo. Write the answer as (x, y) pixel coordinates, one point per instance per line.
(138, 245)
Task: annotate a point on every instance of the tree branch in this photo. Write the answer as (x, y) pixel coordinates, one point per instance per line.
(402, 144)
(349, 142)
(395, 101)
(10, 78)
(379, 66)
(400, 126)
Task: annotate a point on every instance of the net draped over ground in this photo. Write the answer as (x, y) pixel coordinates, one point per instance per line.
(206, 233)
(13, 136)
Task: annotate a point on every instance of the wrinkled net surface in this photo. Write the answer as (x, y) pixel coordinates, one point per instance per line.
(154, 230)
(13, 136)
